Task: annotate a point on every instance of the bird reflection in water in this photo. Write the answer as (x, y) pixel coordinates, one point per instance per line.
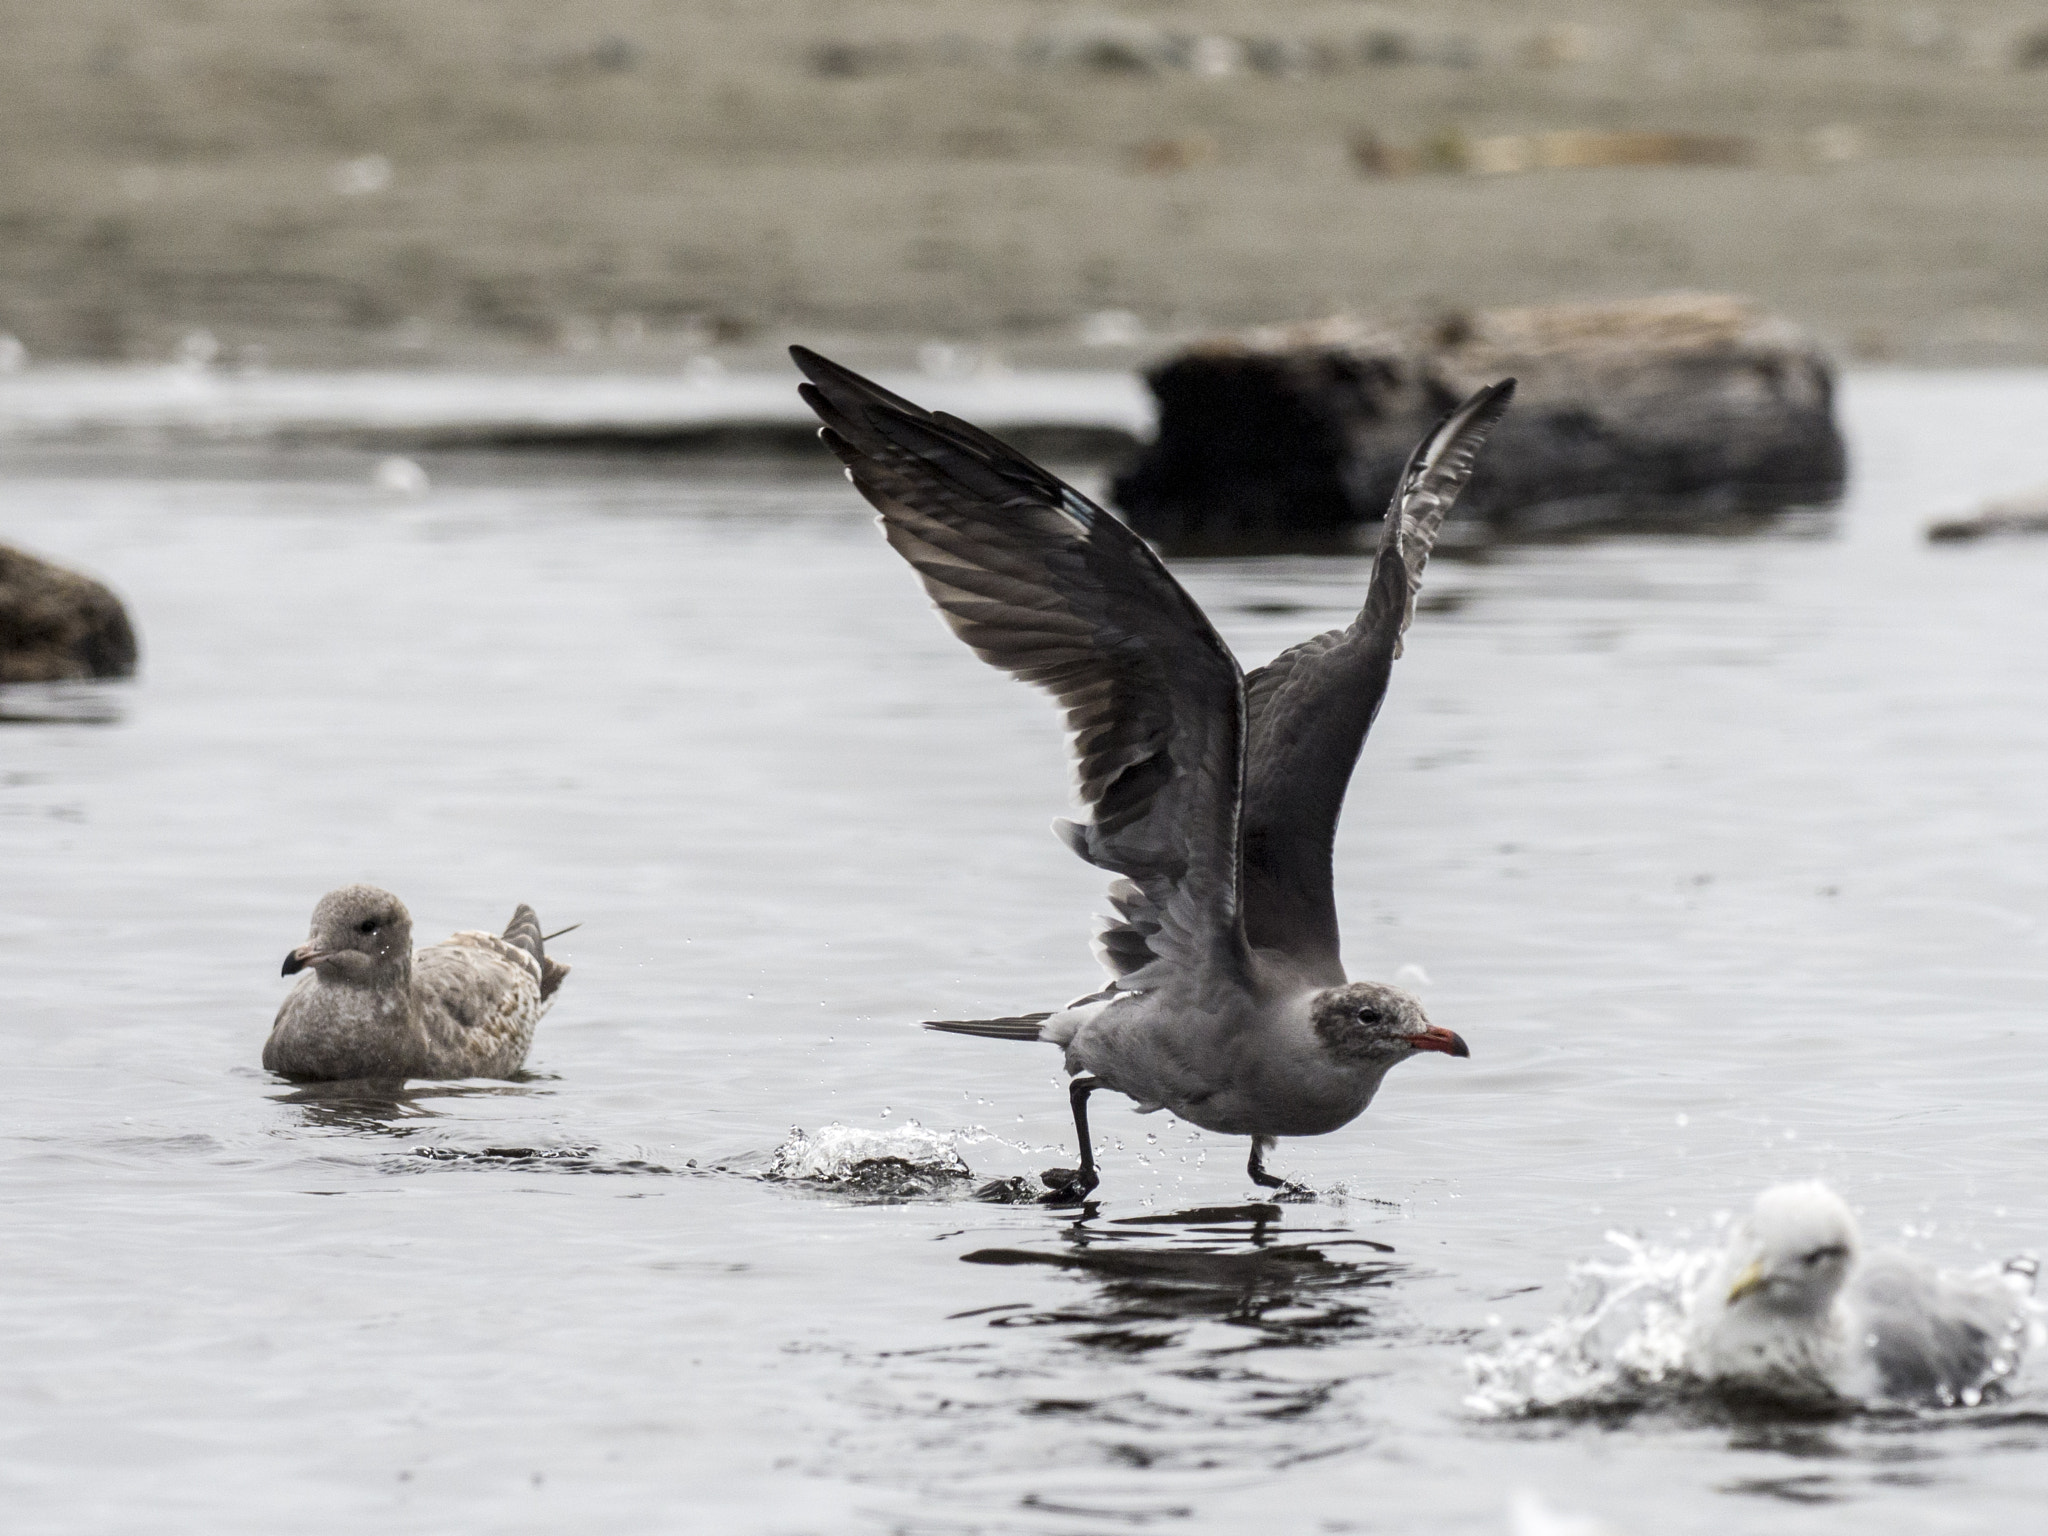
(1157, 1276)
(387, 1108)
(395, 1110)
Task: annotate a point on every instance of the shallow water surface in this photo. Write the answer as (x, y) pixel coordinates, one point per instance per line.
(1728, 856)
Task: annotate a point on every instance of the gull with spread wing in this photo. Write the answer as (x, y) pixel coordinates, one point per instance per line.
(1213, 795)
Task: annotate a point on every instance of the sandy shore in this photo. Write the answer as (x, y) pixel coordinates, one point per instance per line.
(383, 184)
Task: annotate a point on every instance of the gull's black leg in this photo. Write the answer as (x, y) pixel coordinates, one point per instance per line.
(1070, 1184)
(1256, 1167)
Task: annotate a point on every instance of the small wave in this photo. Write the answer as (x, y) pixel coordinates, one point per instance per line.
(906, 1163)
(540, 1159)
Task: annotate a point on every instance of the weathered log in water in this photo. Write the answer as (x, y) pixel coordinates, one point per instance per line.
(1675, 412)
(2018, 515)
(57, 626)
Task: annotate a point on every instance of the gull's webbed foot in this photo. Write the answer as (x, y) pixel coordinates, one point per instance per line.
(1068, 1186)
(1284, 1189)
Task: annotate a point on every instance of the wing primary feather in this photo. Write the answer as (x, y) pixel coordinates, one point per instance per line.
(1436, 472)
(1045, 585)
(1309, 709)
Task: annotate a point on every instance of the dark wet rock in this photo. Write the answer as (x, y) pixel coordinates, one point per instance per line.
(1677, 412)
(1056, 442)
(58, 626)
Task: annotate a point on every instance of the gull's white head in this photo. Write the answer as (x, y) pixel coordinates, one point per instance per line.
(1795, 1249)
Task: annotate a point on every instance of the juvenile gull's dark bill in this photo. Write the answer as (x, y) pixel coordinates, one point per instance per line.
(370, 1007)
(1797, 1310)
(1214, 796)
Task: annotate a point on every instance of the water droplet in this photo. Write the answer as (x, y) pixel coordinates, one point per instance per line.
(398, 476)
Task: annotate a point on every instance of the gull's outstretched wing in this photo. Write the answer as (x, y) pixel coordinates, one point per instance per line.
(1310, 707)
(1046, 585)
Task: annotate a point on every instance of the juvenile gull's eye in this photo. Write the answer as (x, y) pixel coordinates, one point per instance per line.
(367, 925)
(1369, 1016)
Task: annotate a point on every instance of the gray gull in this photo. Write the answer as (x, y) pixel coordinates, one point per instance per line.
(1797, 1310)
(370, 1007)
(1214, 795)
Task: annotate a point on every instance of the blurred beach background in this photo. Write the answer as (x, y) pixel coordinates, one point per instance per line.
(632, 183)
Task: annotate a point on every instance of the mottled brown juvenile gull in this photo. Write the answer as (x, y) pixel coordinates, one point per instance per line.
(1214, 796)
(1797, 1310)
(370, 1007)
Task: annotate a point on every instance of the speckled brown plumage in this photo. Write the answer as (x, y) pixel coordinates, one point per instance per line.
(370, 1007)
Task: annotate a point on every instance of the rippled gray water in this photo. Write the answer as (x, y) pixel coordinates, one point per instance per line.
(1729, 856)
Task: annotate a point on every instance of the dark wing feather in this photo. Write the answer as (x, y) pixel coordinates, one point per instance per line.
(1310, 707)
(1046, 585)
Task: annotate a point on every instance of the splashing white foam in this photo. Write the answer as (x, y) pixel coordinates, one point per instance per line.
(1627, 1330)
(838, 1154)
(1530, 1515)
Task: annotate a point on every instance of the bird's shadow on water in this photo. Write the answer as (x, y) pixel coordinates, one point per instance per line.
(1150, 1278)
(1166, 1343)
(1857, 1453)
(66, 703)
(1840, 1452)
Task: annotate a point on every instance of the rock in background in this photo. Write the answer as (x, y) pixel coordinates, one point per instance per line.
(1671, 411)
(58, 626)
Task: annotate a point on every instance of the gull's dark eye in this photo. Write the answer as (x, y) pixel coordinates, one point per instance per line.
(1370, 1015)
(1832, 1251)
(367, 925)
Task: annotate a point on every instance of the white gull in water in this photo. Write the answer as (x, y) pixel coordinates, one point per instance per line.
(1214, 795)
(1790, 1308)
(1797, 1309)
(369, 1007)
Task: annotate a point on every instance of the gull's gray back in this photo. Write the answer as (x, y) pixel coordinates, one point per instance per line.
(1938, 1336)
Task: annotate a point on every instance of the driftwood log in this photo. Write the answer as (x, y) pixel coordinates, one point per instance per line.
(57, 626)
(2024, 514)
(1672, 412)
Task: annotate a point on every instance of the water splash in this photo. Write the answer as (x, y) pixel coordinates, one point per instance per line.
(1626, 1342)
(900, 1164)
(1624, 1336)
